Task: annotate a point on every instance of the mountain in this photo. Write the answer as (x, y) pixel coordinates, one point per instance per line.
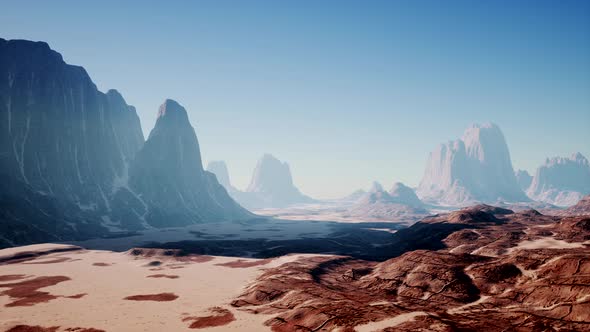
(168, 175)
(219, 168)
(59, 134)
(561, 181)
(63, 144)
(403, 194)
(71, 157)
(272, 184)
(524, 179)
(400, 201)
(354, 196)
(475, 168)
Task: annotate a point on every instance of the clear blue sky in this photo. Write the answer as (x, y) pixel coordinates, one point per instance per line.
(346, 91)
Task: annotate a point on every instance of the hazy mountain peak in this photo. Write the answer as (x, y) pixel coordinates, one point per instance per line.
(402, 194)
(219, 168)
(170, 109)
(272, 181)
(376, 187)
(475, 168)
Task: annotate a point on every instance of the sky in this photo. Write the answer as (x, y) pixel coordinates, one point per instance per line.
(347, 92)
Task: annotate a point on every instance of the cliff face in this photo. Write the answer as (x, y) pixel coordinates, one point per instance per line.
(476, 168)
(59, 134)
(219, 168)
(524, 179)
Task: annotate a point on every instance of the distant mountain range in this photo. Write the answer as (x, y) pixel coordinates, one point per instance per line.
(271, 185)
(74, 164)
(477, 169)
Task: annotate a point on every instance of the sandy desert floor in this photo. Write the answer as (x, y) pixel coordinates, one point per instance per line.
(82, 290)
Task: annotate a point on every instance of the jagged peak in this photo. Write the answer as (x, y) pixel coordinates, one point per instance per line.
(171, 112)
(171, 107)
(576, 157)
(269, 157)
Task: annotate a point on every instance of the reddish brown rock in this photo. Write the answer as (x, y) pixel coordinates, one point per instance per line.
(168, 276)
(582, 208)
(27, 292)
(479, 278)
(161, 297)
(11, 277)
(30, 328)
(219, 317)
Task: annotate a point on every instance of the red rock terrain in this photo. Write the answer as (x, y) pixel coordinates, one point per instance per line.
(219, 317)
(161, 297)
(477, 269)
(582, 208)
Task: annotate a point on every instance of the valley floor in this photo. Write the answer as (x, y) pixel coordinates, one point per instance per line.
(479, 268)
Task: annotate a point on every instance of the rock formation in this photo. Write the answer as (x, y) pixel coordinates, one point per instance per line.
(272, 184)
(561, 181)
(476, 168)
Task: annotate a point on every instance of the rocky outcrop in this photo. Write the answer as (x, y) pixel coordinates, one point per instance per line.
(219, 168)
(561, 181)
(168, 175)
(476, 168)
(481, 268)
(272, 185)
(582, 208)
